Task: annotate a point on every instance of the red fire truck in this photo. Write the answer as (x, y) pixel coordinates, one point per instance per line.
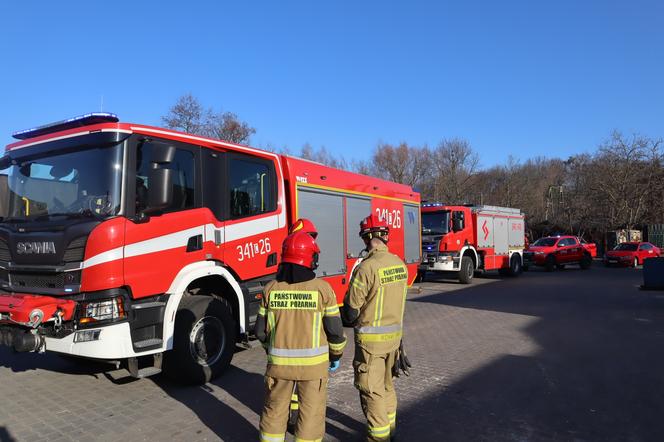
(126, 242)
(463, 239)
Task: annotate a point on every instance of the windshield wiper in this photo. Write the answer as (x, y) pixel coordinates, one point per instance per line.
(87, 213)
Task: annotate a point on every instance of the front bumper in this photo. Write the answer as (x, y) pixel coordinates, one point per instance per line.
(439, 263)
(533, 259)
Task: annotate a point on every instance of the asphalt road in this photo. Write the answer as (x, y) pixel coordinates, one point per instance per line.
(571, 355)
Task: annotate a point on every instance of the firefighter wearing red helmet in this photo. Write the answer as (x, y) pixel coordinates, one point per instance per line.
(304, 225)
(374, 305)
(307, 226)
(300, 327)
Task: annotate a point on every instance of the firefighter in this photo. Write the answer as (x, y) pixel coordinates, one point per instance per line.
(306, 226)
(300, 326)
(374, 305)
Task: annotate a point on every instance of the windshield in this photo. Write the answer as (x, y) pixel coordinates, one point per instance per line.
(626, 246)
(82, 183)
(545, 242)
(436, 223)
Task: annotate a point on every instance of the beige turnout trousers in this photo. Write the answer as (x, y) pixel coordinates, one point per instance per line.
(310, 424)
(373, 379)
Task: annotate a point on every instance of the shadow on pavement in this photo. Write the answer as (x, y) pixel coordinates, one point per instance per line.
(5, 436)
(596, 373)
(221, 418)
(51, 362)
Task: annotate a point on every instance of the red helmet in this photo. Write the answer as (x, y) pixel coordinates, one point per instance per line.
(304, 225)
(300, 248)
(373, 227)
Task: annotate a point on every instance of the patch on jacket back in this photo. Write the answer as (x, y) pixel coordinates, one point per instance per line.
(390, 275)
(293, 300)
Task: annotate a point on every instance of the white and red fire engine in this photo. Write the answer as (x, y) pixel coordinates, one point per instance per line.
(463, 239)
(126, 242)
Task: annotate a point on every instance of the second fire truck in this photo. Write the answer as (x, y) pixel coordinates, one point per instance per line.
(463, 239)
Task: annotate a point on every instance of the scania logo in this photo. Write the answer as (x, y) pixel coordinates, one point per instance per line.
(35, 247)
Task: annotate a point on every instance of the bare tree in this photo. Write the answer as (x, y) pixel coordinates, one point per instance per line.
(323, 156)
(186, 115)
(228, 127)
(403, 163)
(455, 163)
(189, 116)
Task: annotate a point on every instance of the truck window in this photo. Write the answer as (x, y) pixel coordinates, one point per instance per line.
(183, 178)
(325, 209)
(411, 225)
(356, 210)
(252, 187)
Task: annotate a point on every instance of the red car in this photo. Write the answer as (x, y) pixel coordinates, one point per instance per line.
(631, 253)
(558, 251)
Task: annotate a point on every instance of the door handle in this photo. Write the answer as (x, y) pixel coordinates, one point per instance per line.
(195, 243)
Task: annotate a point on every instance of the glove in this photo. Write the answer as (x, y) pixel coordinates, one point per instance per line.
(401, 363)
(333, 366)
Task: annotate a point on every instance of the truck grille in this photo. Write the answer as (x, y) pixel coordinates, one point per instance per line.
(75, 251)
(43, 280)
(4, 251)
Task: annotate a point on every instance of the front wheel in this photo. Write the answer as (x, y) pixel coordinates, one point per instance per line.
(203, 340)
(550, 263)
(515, 265)
(467, 270)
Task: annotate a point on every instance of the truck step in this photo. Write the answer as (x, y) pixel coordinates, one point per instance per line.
(146, 372)
(148, 343)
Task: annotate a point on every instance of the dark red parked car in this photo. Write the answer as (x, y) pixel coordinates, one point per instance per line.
(631, 253)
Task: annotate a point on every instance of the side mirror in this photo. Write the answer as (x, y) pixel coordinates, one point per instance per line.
(160, 192)
(457, 221)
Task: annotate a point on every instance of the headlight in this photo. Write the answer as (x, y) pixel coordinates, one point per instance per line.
(539, 253)
(104, 310)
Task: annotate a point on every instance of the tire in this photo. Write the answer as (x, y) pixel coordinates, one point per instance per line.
(466, 270)
(550, 263)
(203, 340)
(421, 276)
(516, 265)
(586, 262)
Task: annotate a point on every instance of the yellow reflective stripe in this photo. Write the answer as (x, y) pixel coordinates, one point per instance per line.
(261, 310)
(392, 417)
(356, 284)
(315, 331)
(378, 337)
(272, 437)
(283, 360)
(298, 439)
(380, 431)
(379, 307)
(337, 347)
(332, 311)
(294, 406)
(272, 326)
(293, 397)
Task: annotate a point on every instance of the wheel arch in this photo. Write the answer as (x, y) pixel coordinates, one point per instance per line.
(205, 278)
(470, 251)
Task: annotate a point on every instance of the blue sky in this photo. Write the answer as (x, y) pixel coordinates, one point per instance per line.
(524, 78)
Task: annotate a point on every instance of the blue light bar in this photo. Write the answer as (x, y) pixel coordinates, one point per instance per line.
(80, 121)
(433, 205)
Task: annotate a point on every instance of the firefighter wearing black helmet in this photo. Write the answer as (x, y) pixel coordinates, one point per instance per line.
(374, 305)
(300, 326)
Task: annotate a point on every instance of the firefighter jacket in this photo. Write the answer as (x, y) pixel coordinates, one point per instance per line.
(301, 330)
(375, 301)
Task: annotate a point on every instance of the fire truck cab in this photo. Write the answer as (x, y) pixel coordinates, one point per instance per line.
(464, 239)
(151, 247)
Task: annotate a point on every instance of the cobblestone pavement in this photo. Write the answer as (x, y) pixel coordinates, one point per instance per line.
(569, 355)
